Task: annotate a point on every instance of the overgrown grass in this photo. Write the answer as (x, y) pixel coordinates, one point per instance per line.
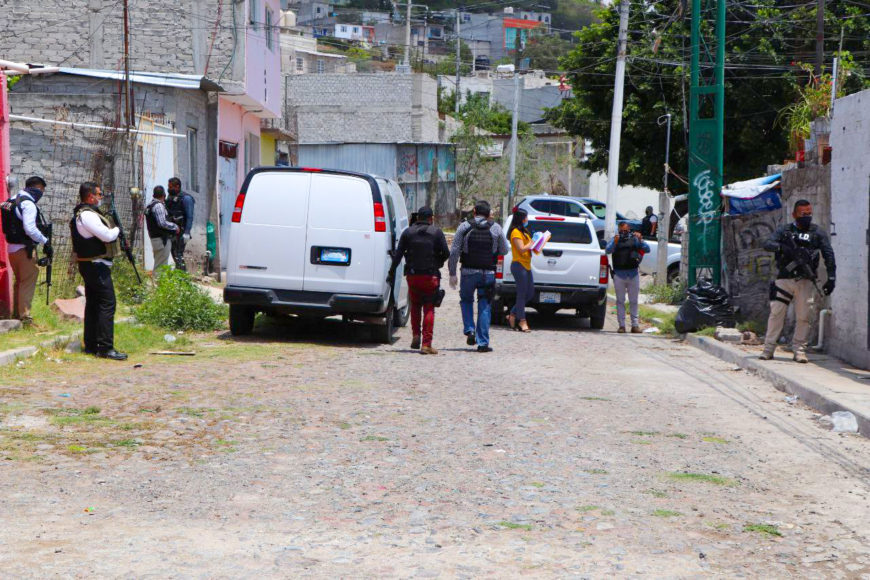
(177, 303)
(701, 477)
(513, 526)
(46, 324)
(128, 290)
(664, 321)
(759, 328)
(709, 331)
(665, 293)
(766, 529)
(666, 514)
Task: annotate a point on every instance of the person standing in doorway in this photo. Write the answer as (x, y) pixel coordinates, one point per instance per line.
(521, 268)
(160, 229)
(95, 243)
(180, 206)
(650, 223)
(424, 249)
(25, 228)
(477, 245)
(627, 250)
(797, 247)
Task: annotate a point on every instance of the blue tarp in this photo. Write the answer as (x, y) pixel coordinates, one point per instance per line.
(754, 195)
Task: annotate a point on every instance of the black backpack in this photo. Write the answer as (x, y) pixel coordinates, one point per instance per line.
(13, 227)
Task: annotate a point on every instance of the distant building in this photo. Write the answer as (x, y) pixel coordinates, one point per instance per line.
(357, 32)
(505, 31)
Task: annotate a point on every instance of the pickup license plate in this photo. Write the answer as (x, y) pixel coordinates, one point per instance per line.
(334, 256)
(549, 298)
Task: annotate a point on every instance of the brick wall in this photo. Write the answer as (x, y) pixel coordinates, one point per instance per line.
(850, 184)
(165, 35)
(373, 108)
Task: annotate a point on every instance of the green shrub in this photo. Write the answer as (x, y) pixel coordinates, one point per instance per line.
(178, 304)
(128, 290)
(666, 293)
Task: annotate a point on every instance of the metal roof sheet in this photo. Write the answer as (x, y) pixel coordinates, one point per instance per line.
(174, 80)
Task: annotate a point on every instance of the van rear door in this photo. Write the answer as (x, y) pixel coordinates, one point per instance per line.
(339, 253)
(267, 246)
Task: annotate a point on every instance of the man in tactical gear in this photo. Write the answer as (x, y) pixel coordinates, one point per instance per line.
(180, 206)
(25, 228)
(650, 223)
(95, 243)
(797, 246)
(627, 250)
(424, 249)
(477, 245)
(160, 229)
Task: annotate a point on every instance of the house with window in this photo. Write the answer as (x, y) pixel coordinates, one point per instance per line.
(357, 32)
(238, 62)
(505, 31)
(300, 54)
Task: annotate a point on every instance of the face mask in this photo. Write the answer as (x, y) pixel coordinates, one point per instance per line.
(526, 224)
(623, 235)
(804, 221)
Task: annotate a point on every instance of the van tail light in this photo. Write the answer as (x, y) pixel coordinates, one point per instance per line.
(380, 218)
(602, 272)
(514, 210)
(237, 210)
(499, 268)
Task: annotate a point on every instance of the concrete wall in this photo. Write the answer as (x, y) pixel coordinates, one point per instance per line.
(66, 156)
(373, 108)
(850, 184)
(749, 267)
(263, 57)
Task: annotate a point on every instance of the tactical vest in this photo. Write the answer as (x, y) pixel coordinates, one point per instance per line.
(13, 226)
(478, 248)
(90, 249)
(420, 256)
(626, 255)
(646, 226)
(154, 229)
(808, 241)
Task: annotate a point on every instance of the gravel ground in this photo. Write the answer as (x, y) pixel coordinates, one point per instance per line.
(307, 451)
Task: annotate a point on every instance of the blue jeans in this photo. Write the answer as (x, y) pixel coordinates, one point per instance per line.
(484, 283)
(525, 289)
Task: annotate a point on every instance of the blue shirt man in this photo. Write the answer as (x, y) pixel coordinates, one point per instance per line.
(627, 250)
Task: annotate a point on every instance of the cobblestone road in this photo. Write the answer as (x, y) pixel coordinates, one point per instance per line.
(306, 451)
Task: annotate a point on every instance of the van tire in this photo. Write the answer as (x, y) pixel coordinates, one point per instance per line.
(401, 315)
(674, 275)
(241, 319)
(384, 334)
(599, 314)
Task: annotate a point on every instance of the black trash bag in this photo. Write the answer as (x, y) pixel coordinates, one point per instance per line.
(706, 305)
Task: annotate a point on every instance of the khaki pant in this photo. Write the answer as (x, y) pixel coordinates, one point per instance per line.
(162, 250)
(26, 273)
(799, 293)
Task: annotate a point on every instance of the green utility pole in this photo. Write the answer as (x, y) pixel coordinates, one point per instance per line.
(706, 130)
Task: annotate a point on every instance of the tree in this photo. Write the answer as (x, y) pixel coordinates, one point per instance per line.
(760, 81)
(544, 52)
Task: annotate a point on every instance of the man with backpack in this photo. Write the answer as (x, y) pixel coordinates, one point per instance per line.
(160, 230)
(424, 249)
(477, 245)
(627, 250)
(180, 207)
(25, 228)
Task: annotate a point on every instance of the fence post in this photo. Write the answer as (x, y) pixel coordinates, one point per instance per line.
(5, 270)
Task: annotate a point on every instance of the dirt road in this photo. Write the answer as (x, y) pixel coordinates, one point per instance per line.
(309, 452)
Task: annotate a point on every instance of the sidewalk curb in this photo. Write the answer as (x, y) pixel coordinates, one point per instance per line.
(8, 357)
(816, 396)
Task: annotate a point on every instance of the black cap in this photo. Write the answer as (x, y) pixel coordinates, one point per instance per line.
(425, 212)
(35, 181)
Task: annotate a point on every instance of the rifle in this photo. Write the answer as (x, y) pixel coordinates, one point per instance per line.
(801, 260)
(125, 246)
(47, 260)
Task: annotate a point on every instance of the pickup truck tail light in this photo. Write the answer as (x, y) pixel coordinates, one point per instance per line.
(603, 270)
(499, 268)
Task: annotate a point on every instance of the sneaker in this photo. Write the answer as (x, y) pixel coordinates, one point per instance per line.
(766, 355)
(484, 349)
(415, 342)
(621, 330)
(635, 329)
(801, 357)
(470, 340)
(428, 350)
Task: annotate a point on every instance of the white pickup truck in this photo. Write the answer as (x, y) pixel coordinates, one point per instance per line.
(570, 272)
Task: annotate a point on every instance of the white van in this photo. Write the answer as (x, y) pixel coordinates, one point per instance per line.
(316, 243)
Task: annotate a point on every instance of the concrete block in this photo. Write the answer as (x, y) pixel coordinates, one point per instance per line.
(9, 325)
(728, 334)
(71, 309)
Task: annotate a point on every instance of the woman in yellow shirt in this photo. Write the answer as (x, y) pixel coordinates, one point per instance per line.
(521, 268)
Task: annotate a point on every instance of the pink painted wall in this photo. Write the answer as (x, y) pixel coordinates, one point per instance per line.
(234, 124)
(262, 63)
